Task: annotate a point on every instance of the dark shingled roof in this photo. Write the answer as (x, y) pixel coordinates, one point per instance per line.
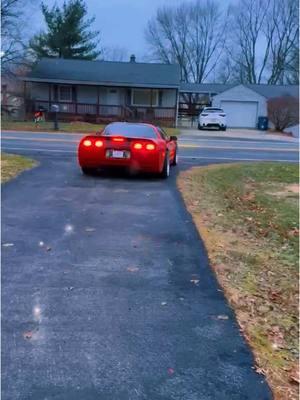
(105, 73)
(268, 91)
(204, 87)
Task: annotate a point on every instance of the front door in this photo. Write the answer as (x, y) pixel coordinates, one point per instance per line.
(113, 101)
(113, 97)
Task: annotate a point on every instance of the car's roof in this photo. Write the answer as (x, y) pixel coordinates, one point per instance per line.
(116, 124)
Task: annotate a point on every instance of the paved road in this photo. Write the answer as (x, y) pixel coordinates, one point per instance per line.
(107, 294)
(192, 149)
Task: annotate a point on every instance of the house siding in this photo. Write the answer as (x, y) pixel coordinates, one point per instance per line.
(40, 91)
(87, 94)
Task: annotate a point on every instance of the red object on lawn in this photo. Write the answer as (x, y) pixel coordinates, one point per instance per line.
(137, 147)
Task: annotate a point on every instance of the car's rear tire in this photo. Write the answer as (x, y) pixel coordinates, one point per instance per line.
(165, 173)
(223, 128)
(199, 127)
(87, 171)
(175, 159)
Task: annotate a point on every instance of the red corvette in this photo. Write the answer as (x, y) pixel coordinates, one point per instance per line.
(138, 147)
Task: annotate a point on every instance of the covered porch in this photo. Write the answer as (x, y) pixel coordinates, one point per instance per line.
(101, 104)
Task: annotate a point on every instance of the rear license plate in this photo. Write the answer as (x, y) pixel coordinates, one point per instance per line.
(117, 154)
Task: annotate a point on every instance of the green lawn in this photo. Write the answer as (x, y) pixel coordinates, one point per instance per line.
(12, 165)
(248, 217)
(80, 127)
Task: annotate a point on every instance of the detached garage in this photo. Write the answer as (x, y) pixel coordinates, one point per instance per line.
(242, 106)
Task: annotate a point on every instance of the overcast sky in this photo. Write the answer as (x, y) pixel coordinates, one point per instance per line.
(122, 22)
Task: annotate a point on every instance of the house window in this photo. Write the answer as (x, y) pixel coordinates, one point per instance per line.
(142, 97)
(65, 93)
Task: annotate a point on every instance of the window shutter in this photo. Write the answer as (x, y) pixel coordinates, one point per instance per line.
(160, 96)
(128, 97)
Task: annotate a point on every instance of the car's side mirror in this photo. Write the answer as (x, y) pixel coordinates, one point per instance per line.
(173, 138)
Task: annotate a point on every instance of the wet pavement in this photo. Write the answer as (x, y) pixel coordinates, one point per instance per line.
(107, 294)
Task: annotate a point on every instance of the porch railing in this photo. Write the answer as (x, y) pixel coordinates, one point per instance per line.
(106, 111)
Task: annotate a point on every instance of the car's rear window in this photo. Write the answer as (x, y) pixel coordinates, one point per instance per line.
(130, 130)
(213, 110)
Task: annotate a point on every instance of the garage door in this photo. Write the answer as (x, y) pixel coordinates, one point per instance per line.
(240, 114)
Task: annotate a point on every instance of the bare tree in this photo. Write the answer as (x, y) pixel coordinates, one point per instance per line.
(13, 46)
(114, 54)
(284, 37)
(263, 35)
(292, 67)
(192, 35)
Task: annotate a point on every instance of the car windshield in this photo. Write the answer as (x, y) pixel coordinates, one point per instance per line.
(130, 130)
(213, 110)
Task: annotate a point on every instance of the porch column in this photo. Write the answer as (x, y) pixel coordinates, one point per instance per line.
(98, 100)
(151, 97)
(177, 108)
(49, 96)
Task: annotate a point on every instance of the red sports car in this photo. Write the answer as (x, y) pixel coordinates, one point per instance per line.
(138, 147)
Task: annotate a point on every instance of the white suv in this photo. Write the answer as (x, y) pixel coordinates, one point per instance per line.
(212, 117)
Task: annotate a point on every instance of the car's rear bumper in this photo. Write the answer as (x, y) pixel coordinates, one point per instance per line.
(134, 163)
(221, 123)
(213, 125)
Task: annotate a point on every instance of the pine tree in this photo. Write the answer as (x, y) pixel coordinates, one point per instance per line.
(67, 34)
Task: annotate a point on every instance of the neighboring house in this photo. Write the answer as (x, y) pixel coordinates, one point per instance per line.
(102, 91)
(243, 104)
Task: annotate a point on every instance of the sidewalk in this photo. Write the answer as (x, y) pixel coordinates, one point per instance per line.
(236, 134)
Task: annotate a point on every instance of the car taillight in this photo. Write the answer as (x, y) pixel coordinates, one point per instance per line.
(99, 143)
(137, 146)
(150, 146)
(87, 143)
(118, 139)
(204, 115)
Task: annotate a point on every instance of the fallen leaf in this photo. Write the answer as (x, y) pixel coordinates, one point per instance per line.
(27, 335)
(48, 248)
(222, 317)
(171, 371)
(294, 374)
(163, 303)
(90, 229)
(195, 281)
(259, 370)
(132, 269)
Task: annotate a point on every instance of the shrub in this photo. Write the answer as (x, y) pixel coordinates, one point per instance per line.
(283, 112)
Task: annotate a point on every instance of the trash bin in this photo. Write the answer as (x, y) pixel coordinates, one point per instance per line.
(262, 123)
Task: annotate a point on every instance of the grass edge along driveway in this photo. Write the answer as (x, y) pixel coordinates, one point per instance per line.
(247, 215)
(64, 127)
(12, 165)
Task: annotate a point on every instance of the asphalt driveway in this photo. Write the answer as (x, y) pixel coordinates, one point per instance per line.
(107, 294)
